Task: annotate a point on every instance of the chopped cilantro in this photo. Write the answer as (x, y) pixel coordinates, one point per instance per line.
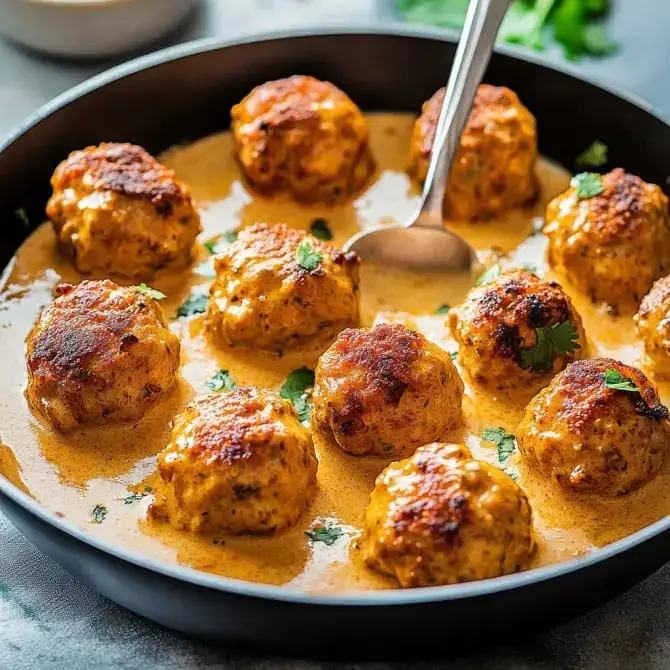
(443, 309)
(306, 257)
(221, 381)
(595, 155)
(561, 338)
(295, 389)
(134, 497)
(615, 380)
(151, 292)
(98, 514)
(587, 184)
(504, 442)
(21, 215)
(328, 534)
(320, 229)
(218, 244)
(489, 275)
(453, 355)
(194, 304)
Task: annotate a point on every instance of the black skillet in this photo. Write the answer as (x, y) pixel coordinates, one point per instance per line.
(185, 93)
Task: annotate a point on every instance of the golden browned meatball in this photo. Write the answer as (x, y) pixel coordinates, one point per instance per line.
(116, 210)
(100, 352)
(302, 137)
(516, 332)
(385, 391)
(237, 462)
(276, 286)
(441, 517)
(592, 437)
(493, 171)
(652, 322)
(613, 245)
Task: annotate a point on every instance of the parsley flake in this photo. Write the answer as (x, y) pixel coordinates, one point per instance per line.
(296, 388)
(21, 215)
(588, 184)
(151, 292)
(615, 380)
(320, 229)
(443, 309)
(306, 257)
(505, 442)
(453, 355)
(221, 381)
(218, 244)
(328, 534)
(595, 155)
(98, 514)
(559, 339)
(489, 275)
(194, 304)
(138, 495)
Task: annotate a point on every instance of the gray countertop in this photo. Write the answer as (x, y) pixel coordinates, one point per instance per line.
(48, 620)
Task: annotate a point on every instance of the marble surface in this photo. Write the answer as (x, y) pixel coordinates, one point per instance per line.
(48, 620)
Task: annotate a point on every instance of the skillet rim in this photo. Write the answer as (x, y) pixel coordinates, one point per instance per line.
(414, 596)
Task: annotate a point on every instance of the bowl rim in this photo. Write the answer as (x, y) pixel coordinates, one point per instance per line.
(412, 596)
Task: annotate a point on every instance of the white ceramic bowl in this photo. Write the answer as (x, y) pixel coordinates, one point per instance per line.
(89, 28)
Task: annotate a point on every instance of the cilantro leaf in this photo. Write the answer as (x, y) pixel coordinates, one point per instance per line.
(21, 215)
(194, 304)
(505, 442)
(306, 257)
(615, 380)
(443, 309)
(218, 244)
(221, 381)
(137, 495)
(559, 339)
(489, 275)
(525, 21)
(328, 534)
(320, 229)
(595, 155)
(453, 355)
(295, 389)
(151, 292)
(587, 184)
(98, 514)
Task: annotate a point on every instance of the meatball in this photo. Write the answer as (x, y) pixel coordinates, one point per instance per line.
(100, 352)
(652, 323)
(385, 391)
(516, 332)
(237, 462)
(441, 517)
(117, 211)
(493, 171)
(594, 438)
(613, 245)
(276, 286)
(302, 137)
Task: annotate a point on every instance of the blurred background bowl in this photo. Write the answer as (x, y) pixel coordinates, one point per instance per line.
(89, 28)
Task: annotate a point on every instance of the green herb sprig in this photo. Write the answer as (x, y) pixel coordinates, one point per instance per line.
(194, 304)
(559, 339)
(587, 185)
(594, 156)
(615, 380)
(306, 257)
(221, 381)
(98, 514)
(296, 388)
(150, 292)
(327, 533)
(320, 229)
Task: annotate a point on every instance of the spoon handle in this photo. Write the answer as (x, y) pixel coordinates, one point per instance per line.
(472, 56)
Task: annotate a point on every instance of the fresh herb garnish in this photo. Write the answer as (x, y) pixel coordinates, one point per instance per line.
(151, 292)
(443, 309)
(295, 389)
(210, 245)
(134, 497)
(194, 304)
(328, 534)
(98, 514)
(574, 24)
(615, 380)
(504, 442)
(529, 267)
(306, 257)
(595, 155)
(489, 275)
(587, 184)
(21, 215)
(453, 355)
(561, 338)
(320, 229)
(221, 381)
(218, 244)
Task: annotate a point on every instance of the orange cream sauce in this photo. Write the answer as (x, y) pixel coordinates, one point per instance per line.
(103, 466)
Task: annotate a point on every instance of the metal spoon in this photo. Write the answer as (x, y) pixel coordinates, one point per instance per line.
(423, 242)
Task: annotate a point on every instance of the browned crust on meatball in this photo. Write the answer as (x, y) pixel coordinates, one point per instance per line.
(386, 354)
(586, 398)
(657, 298)
(124, 168)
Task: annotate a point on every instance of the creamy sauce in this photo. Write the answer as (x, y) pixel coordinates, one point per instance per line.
(71, 475)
